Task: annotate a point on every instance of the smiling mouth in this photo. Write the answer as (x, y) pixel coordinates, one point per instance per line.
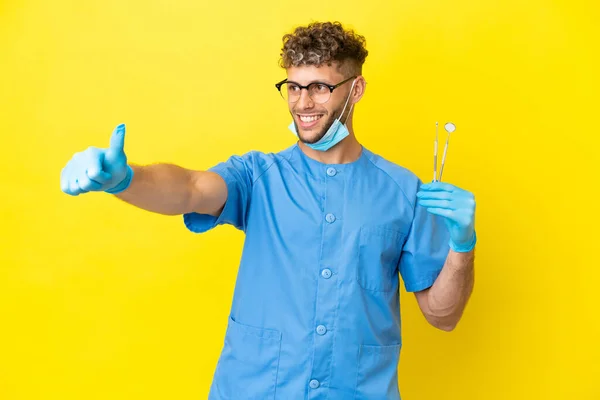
(310, 118)
(308, 121)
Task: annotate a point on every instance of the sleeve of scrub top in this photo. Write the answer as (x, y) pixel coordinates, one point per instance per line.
(425, 250)
(237, 174)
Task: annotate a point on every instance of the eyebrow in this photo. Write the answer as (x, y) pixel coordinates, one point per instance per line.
(315, 81)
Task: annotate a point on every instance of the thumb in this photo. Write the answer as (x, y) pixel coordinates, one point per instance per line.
(117, 140)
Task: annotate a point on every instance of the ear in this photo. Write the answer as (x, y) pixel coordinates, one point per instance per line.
(360, 85)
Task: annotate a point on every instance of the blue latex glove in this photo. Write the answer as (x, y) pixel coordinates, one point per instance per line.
(457, 207)
(97, 170)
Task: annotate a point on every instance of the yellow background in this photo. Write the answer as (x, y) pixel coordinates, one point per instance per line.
(99, 300)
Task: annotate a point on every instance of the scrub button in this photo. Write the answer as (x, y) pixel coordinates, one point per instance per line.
(331, 171)
(330, 218)
(321, 330)
(314, 384)
(326, 273)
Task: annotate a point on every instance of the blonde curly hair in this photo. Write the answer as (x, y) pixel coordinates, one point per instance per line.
(324, 43)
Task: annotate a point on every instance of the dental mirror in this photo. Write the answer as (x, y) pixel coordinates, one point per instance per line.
(449, 127)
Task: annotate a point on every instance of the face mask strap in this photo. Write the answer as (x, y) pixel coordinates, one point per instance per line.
(347, 100)
(349, 112)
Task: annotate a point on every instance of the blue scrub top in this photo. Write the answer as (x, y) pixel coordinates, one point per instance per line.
(316, 312)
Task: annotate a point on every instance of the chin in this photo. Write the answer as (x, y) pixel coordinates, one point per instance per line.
(313, 134)
(310, 138)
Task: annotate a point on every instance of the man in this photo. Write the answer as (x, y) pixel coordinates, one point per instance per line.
(329, 227)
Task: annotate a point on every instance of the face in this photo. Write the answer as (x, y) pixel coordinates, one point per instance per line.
(312, 120)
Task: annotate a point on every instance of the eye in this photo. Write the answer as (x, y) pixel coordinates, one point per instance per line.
(321, 88)
(292, 88)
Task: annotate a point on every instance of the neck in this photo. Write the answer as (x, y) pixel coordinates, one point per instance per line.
(346, 151)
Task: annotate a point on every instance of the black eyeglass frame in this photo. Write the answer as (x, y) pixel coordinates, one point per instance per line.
(278, 85)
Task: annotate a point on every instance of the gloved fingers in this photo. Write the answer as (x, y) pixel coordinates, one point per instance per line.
(464, 217)
(434, 195)
(465, 203)
(437, 186)
(68, 182)
(461, 218)
(64, 180)
(442, 212)
(85, 184)
(98, 176)
(74, 188)
(94, 168)
(117, 139)
(441, 204)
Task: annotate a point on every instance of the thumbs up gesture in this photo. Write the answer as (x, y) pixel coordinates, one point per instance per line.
(97, 170)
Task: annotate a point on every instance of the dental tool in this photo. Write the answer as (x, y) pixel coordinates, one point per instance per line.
(449, 127)
(435, 151)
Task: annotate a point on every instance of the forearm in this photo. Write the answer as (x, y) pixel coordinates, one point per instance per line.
(162, 188)
(448, 296)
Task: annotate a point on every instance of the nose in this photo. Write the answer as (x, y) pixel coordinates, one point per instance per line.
(305, 101)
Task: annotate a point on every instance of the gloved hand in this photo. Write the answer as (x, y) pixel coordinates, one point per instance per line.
(457, 207)
(95, 170)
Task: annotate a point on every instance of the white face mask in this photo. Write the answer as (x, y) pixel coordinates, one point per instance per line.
(336, 132)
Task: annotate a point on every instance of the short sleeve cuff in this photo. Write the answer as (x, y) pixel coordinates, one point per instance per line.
(421, 284)
(199, 223)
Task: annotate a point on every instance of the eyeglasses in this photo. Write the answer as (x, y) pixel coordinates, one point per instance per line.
(319, 92)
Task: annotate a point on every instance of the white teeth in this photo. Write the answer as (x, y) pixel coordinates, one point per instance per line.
(310, 119)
